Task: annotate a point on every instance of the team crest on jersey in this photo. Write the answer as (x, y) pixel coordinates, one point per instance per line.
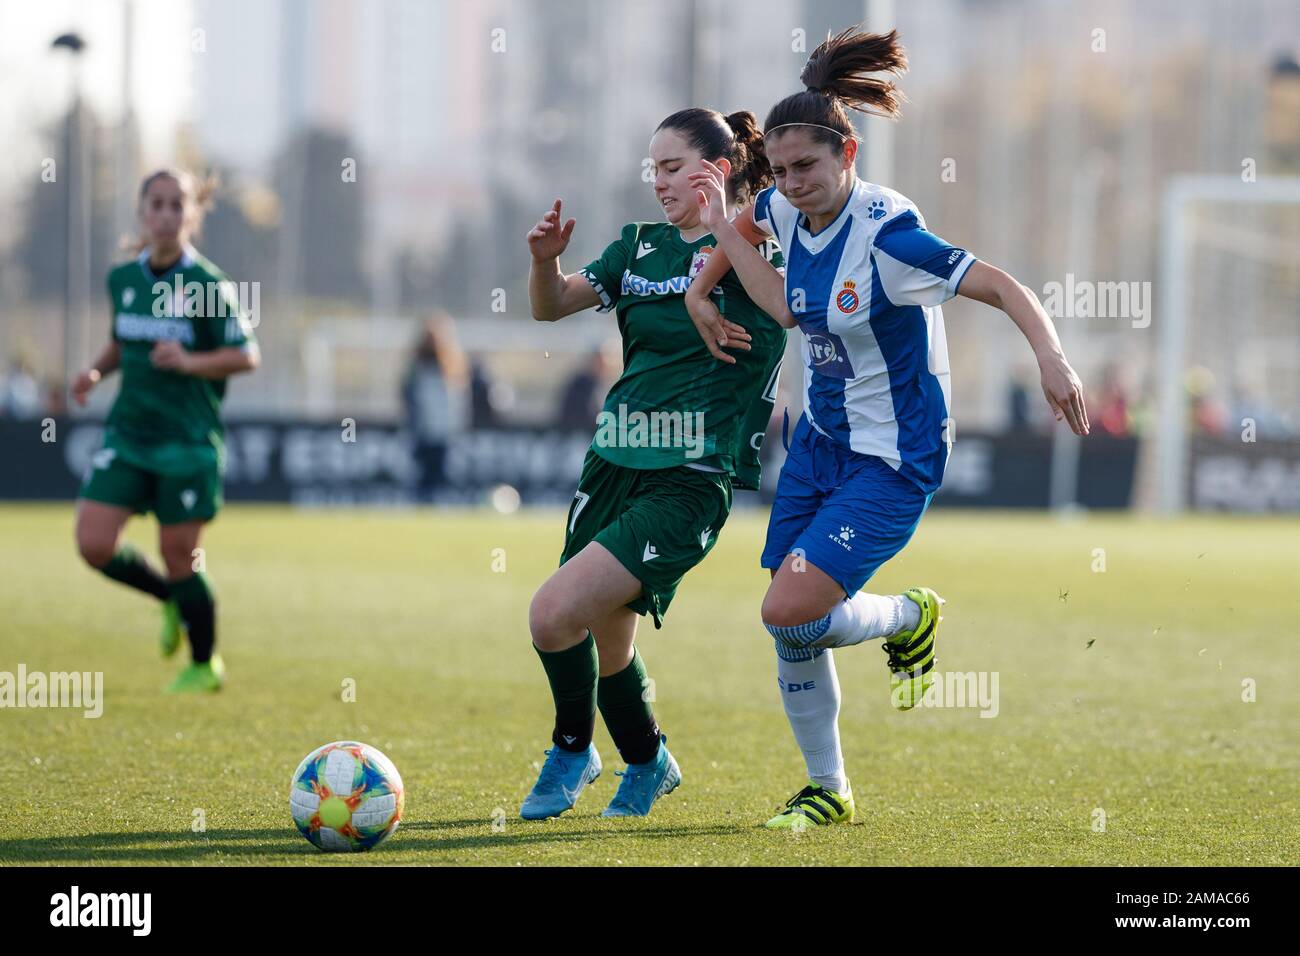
(846, 300)
(128, 296)
(699, 259)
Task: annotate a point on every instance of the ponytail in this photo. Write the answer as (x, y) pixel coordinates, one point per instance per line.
(836, 76)
(750, 171)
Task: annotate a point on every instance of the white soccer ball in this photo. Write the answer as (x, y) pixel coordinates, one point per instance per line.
(346, 796)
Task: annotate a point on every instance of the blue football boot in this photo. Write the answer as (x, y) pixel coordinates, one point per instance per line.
(560, 783)
(644, 783)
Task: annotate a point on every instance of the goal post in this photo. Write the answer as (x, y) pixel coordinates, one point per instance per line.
(1184, 297)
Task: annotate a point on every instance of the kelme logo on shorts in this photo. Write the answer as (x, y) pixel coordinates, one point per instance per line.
(846, 535)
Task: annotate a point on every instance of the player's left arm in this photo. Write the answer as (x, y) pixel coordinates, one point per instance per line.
(916, 267)
(1061, 386)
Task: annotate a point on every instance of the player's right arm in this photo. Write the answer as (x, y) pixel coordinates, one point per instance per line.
(737, 238)
(105, 363)
(551, 294)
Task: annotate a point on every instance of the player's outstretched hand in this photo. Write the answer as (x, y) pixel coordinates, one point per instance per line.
(86, 379)
(710, 187)
(718, 333)
(548, 239)
(1064, 393)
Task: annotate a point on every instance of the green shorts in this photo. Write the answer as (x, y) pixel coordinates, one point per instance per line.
(659, 524)
(188, 489)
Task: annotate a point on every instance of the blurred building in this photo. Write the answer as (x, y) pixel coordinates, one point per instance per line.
(1038, 134)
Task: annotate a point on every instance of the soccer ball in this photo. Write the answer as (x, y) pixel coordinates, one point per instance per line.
(346, 796)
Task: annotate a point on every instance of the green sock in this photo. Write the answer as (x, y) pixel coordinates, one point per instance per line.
(130, 568)
(198, 608)
(624, 704)
(573, 674)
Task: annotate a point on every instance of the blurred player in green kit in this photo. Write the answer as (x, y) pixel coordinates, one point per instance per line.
(178, 334)
(679, 429)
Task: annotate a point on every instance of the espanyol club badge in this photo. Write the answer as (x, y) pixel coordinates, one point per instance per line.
(846, 300)
(701, 257)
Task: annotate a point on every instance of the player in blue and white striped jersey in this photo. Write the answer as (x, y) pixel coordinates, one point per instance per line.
(864, 280)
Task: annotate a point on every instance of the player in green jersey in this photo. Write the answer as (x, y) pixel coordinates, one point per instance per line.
(178, 333)
(679, 429)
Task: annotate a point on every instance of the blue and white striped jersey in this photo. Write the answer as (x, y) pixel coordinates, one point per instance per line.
(866, 291)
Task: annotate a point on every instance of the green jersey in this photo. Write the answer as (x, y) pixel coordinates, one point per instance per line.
(675, 404)
(164, 420)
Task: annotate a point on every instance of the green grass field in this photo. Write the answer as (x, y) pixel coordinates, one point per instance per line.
(1147, 724)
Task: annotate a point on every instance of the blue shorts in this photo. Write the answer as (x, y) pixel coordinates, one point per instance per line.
(845, 512)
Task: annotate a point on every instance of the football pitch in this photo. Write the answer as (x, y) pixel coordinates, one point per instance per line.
(1146, 708)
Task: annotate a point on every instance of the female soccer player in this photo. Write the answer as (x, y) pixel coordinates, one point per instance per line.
(163, 443)
(863, 281)
(678, 430)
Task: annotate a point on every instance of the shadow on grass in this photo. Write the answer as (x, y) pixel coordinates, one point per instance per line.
(284, 845)
(156, 846)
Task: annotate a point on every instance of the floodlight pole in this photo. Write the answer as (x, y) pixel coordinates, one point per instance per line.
(76, 223)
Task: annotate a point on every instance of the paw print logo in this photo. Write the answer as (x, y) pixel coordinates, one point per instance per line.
(877, 208)
(846, 533)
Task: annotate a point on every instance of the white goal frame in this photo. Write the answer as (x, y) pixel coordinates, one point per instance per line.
(1180, 194)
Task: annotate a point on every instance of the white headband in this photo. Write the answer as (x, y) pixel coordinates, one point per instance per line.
(818, 125)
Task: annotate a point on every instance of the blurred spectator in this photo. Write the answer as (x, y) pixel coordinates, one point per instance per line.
(56, 399)
(1209, 417)
(490, 400)
(434, 393)
(1250, 403)
(1021, 390)
(584, 394)
(1109, 409)
(20, 394)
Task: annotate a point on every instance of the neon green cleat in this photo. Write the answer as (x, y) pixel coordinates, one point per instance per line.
(208, 676)
(911, 653)
(814, 806)
(170, 638)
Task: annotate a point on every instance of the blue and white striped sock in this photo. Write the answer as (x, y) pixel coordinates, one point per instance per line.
(862, 617)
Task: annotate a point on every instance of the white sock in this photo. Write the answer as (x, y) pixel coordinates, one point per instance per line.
(810, 692)
(864, 617)
(911, 614)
